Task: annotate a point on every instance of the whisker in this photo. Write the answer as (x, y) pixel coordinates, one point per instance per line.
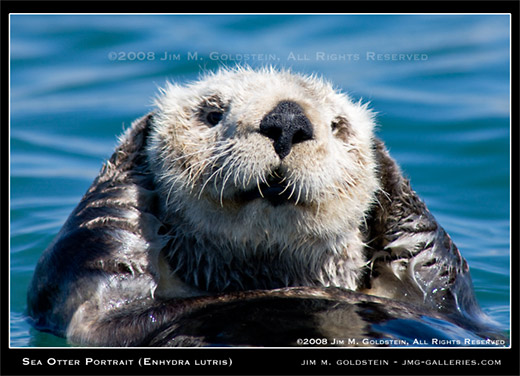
(226, 178)
(293, 189)
(299, 193)
(258, 186)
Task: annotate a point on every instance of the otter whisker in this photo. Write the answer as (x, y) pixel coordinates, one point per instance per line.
(291, 183)
(251, 174)
(264, 180)
(205, 163)
(219, 170)
(187, 156)
(226, 178)
(299, 194)
(285, 188)
(258, 187)
(216, 172)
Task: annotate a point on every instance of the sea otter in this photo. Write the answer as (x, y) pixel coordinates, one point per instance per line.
(260, 195)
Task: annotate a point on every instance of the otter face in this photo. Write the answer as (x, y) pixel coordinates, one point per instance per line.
(253, 152)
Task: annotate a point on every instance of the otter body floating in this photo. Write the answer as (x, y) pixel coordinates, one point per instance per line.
(262, 196)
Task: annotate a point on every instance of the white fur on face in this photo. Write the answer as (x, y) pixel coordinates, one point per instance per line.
(204, 168)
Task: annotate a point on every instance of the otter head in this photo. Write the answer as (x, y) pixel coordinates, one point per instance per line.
(264, 160)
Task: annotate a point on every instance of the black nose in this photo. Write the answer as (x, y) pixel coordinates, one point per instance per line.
(286, 125)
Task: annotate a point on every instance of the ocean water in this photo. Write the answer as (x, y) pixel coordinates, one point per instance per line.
(439, 83)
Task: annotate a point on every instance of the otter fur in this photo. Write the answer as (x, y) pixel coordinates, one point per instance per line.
(248, 188)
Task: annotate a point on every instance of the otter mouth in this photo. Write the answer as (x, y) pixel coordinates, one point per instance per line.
(275, 191)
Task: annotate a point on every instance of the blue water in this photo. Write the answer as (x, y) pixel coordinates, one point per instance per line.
(77, 81)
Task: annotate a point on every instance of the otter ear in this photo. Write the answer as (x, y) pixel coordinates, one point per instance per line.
(136, 136)
(144, 123)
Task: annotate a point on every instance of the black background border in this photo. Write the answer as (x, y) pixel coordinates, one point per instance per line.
(262, 361)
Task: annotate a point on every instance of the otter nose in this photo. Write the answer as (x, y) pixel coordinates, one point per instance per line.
(286, 125)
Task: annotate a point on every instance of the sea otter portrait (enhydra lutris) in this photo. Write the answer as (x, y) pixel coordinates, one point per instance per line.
(255, 194)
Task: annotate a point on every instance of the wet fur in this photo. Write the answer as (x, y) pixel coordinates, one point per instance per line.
(156, 236)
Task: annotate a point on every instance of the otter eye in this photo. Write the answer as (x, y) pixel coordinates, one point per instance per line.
(341, 128)
(214, 117)
(339, 123)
